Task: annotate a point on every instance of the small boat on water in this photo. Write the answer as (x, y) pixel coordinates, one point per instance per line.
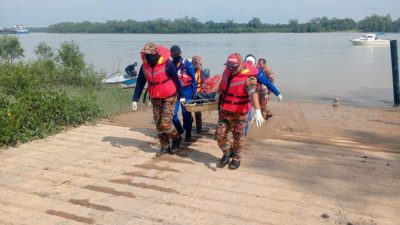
(370, 39)
(127, 79)
(19, 29)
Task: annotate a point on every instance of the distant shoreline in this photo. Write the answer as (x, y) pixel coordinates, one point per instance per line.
(374, 23)
(347, 31)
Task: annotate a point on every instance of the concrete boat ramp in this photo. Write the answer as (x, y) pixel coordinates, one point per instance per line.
(309, 164)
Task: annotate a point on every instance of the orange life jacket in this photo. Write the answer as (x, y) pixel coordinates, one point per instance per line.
(212, 83)
(234, 94)
(160, 84)
(184, 78)
(199, 82)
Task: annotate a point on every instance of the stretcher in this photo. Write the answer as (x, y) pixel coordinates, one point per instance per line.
(202, 102)
(205, 101)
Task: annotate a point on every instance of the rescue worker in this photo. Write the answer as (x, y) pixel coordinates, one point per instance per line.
(131, 70)
(262, 80)
(164, 89)
(237, 89)
(265, 85)
(200, 77)
(188, 83)
(262, 64)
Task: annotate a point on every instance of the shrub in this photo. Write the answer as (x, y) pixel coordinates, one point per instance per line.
(30, 107)
(15, 78)
(70, 56)
(10, 48)
(44, 52)
(41, 112)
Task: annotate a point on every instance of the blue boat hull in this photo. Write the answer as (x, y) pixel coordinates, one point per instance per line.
(130, 81)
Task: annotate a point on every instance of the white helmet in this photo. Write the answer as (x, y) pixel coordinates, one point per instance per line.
(250, 58)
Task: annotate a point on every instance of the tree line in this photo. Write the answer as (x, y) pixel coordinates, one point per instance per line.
(374, 23)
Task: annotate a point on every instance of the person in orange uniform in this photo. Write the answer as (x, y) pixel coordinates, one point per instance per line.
(199, 74)
(164, 89)
(262, 64)
(237, 90)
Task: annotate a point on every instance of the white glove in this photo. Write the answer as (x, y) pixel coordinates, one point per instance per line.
(182, 100)
(280, 97)
(258, 118)
(134, 106)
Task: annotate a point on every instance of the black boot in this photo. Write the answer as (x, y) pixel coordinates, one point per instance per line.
(163, 151)
(224, 160)
(188, 136)
(234, 164)
(198, 130)
(176, 144)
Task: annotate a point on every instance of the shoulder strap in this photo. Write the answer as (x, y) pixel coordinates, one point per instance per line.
(228, 83)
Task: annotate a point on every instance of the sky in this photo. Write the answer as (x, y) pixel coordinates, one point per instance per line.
(41, 13)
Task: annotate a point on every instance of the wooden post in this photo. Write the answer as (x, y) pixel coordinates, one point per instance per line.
(395, 72)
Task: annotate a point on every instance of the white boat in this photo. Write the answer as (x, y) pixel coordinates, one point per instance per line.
(120, 78)
(19, 29)
(370, 39)
(127, 79)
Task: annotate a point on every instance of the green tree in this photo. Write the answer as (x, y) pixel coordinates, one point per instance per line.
(396, 25)
(376, 23)
(44, 51)
(255, 22)
(192, 25)
(10, 48)
(294, 25)
(70, 55)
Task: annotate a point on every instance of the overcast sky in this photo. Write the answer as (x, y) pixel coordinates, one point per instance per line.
(46, 12)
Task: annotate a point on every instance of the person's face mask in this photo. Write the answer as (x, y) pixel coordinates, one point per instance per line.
(231, 67)
(152, 59)
(176, 59)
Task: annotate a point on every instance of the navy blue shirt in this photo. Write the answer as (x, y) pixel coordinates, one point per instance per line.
(141, 81)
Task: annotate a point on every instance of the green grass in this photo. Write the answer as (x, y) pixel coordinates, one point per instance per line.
(111, 99)
(114, 100)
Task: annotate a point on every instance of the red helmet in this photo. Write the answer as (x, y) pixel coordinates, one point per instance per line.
(234, 60)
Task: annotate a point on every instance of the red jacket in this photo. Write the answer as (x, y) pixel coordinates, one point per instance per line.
(184, 78)
(233, 90)
(160, 84)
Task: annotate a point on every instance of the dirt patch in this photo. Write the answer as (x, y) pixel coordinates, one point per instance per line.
(156, 167)
(139, 174)
(173, 159)
(121, 181)
(154, 187)
(71, 216)
(86, 203)
(143, 185)
(109, 191)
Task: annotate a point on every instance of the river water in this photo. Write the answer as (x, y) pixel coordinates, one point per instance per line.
(316, 66)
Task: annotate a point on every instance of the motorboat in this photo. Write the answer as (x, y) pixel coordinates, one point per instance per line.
(19, 29)
(370, 39)
(120, 78)
(127, 78)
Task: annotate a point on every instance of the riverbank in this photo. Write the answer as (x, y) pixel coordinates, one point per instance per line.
(309, 164)
(368, 128)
